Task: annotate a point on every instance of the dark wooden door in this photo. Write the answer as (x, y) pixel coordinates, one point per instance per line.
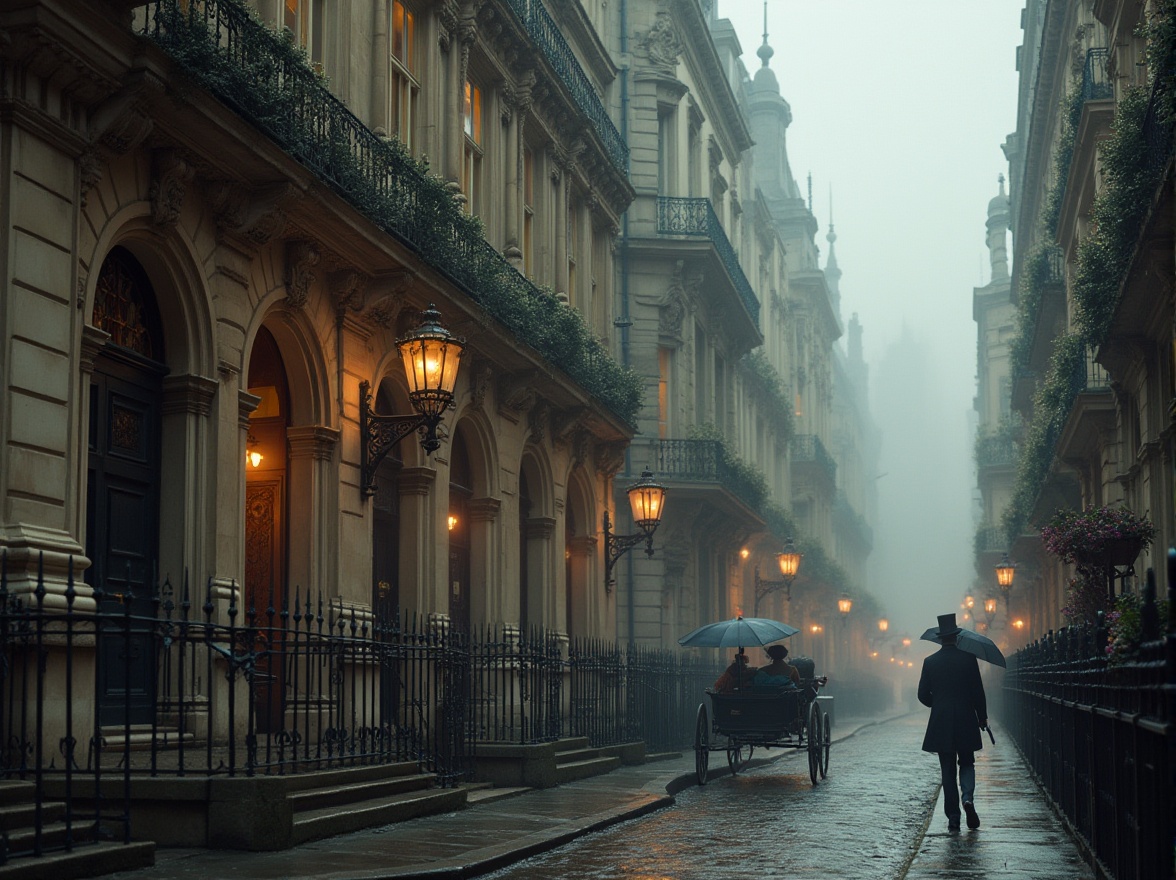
(459, 559)
(122, 530)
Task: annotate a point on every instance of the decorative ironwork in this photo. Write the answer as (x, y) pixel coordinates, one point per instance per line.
(124, 306)
(1096, 82)
(126, 428)
(704, 461)
(547, 35)
(1095, 376)
(252, 72)
(379, 434)
(809, 448)
(696, 216)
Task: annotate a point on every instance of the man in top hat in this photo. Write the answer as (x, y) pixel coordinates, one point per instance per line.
(950, 685)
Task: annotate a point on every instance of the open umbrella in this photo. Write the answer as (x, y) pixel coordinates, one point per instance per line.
(738, 632)
(972, 642)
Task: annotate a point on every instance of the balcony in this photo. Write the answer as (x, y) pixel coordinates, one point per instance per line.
(696, 217)
(849, 521)
(809, 455)
(263, 79)
(541, 27)
(703, 467)
(997, 450)
(1096, 82)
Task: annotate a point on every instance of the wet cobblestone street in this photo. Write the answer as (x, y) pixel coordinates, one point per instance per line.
(864, 821)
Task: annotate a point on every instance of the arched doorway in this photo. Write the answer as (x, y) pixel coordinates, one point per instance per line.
(266, 515)
(461, 481)
(525, 503)
(123, 482)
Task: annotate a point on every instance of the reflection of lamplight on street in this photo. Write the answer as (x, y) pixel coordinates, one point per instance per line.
(452, 522)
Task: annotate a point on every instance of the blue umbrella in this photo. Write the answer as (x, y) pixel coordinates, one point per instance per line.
(973, 642)
(738, 632)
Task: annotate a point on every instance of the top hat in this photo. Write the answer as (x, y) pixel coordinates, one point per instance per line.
(947, 625)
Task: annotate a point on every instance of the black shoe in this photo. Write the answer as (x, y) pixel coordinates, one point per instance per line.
(973, 818)
(953, 823)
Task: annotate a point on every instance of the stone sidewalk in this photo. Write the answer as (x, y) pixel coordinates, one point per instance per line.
(1019, 836)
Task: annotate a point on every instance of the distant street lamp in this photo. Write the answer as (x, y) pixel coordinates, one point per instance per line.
(883, 625)
(431, 355)
(789, 561)
(647, 501)
(1005, 573)
(990, 609)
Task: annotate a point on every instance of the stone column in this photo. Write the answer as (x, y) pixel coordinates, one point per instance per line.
(185, 502)
(485, 558)
(420, 588)
(313, 522)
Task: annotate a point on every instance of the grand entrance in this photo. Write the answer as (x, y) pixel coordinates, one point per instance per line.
(123, 480)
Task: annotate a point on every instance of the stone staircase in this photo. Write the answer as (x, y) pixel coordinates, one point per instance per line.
(87, 857)
(338, 801)
(574, 759)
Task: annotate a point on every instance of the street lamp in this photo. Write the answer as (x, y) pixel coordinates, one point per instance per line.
(789, 561)
(431, 355)
(646, 500)
(845, 605)
(1005, 573)
(990, 609)
(906, 641)
(883, 625)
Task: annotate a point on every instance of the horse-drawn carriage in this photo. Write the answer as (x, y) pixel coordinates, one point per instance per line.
(779, 717)
(789, 718)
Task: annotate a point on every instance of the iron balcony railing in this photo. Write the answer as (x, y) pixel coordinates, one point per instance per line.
(257, 75)
(1055, 266)
(546, 34)
(989, 539)
(696, 216)
(996, 450)
(1094, 377)
(1096, 82)
(809, 448)
(706, 461)
(845, 513)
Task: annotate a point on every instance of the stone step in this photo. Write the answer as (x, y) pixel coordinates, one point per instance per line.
(329, 821)
(350, 775)
(488, 795)
(91, 860)
(574, 770)
(15, 791)
(53, 836)
(571, 744)
(13, 816)
(574, 756)
(357, 792)
(141, 738)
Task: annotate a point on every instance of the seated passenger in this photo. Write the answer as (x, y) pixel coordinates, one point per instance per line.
(776, 674)
(735, 677)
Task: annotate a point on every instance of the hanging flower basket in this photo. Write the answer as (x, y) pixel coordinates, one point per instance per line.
(1098, 536)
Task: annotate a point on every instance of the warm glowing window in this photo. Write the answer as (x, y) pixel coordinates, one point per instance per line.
(305, 20)
(472, 156)
(528, 212)
(403, 87)
(663, 393)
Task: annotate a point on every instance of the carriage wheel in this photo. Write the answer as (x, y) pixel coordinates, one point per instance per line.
(826, 741)
(813, 732)
(737, 755)
(702, 745)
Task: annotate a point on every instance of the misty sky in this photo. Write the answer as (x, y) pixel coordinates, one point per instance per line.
(901, 108)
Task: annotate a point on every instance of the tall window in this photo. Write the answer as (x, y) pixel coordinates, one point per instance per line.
(528, 212)
(305, 20)
(663, 392)
(472, 157)
(665, 153)
(402, 84)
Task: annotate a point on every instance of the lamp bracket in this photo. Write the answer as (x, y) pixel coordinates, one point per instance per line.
(764, 588)
(379, 434)
(616, 546)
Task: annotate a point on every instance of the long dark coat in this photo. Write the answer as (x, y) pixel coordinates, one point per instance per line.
(951, 686)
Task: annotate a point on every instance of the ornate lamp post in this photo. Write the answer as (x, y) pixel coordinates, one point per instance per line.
(647, 501)
(1005, 573)
(431, 355)
(990, 609)
(789, 561)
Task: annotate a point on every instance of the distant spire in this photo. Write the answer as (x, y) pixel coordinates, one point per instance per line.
(765, 51)
(810, 191)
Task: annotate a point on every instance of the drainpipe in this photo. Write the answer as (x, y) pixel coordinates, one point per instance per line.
(625, 322)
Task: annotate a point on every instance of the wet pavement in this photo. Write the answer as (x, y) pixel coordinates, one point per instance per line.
(876, 816)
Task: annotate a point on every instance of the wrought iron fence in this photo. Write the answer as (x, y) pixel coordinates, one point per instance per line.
(546, 34)
(1098, 738)
(301, 685)
(1096, 81)
(260, 77)
(809, 448)
(696, 216)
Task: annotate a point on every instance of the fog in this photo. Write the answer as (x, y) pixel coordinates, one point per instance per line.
(900, 110)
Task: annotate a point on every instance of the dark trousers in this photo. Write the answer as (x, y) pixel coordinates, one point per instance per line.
(967, 783)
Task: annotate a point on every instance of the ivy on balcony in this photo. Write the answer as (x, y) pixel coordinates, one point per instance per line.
(1042, 266)
(221, 46)
(765, 382)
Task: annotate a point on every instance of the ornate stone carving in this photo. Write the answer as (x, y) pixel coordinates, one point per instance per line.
(662, 43)
(89, 171)
(255, 217)
(581, 447)
(301, 258)
(516, 393)
(610, 457)
(447, 15)
(564, 422)
(348, 288)
(538, 421)
(386, 296)
(482, 373)
(170, 176)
